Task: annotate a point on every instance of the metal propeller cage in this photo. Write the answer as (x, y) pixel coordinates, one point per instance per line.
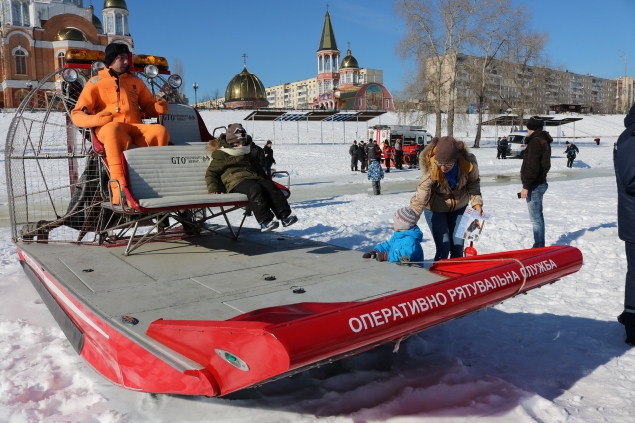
(55, 181)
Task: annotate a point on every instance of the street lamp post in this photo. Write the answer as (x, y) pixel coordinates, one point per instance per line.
(624, 90)
(195, 86)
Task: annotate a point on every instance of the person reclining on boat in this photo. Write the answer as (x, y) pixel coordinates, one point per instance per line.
(405, 244)
(232, 169)
(112, 103)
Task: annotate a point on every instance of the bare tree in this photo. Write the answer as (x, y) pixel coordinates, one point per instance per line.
(179, 70)
(497, 20)
(523, 67)
(436, 31)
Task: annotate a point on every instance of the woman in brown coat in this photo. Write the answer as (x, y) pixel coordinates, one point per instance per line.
(449, 181)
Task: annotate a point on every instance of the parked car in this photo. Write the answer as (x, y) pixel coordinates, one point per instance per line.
(516, 143)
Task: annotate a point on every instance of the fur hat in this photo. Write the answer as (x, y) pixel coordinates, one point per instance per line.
(113, 50)
(236, 134)
(535, 123)
(404, 218)
(447, 150)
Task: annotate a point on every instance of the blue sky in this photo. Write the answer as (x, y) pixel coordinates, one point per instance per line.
(280, 37)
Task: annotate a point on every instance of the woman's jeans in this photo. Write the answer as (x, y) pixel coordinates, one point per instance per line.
(442, 226)
(534, 204)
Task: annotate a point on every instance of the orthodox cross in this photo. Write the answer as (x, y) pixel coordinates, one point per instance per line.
(245, 58)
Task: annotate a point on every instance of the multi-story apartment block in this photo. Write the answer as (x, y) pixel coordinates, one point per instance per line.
(508, 85)
(624, 93)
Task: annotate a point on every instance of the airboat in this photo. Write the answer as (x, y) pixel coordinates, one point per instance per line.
(168, 293)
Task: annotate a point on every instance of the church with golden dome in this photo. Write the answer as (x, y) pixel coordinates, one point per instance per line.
(339, 85)
(38, 33)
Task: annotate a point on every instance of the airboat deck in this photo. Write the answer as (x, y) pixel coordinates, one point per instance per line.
(215, 278)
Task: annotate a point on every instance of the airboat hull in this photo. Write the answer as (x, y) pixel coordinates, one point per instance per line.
(215, 316)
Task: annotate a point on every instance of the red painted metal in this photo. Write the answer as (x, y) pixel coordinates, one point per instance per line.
(304, 334)
(116, 356)
(279, 340)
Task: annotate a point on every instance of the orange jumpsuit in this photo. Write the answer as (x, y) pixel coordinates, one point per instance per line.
(114, 110)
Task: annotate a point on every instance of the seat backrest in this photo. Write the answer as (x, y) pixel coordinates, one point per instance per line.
(182, 123)
(156, 172)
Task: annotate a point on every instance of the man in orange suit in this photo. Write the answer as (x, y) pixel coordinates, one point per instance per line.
(112, 103)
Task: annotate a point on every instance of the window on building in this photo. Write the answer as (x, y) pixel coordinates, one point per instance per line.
(16, 12)
(60, 59)
(387, 104)
(6, 13)
(118, 24)
(110, 23)
(320, 64)
(20, 62)
(126, 31)
(320, 88)
(327, 86)
(359, 103)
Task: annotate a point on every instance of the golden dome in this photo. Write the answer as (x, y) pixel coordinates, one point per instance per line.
(118, 4)
(96, 22)
(349, 61)
(245, 86)
(70, 34)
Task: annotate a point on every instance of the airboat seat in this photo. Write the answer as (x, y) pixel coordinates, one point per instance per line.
(171, 178)
(185, 125)
(164, 182)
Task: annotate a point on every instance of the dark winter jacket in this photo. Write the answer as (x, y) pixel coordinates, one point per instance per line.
(257, 154)
(229, 167)
(403, 244)
(624, 162)
(536, 160)
(571, 150)
(269, 160)
(373, 151)
(352, 151)
(361, 153)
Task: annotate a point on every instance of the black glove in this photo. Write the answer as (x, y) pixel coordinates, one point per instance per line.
(382, 257)
(370, 254)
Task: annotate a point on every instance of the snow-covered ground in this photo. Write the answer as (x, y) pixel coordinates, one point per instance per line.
(554, 355)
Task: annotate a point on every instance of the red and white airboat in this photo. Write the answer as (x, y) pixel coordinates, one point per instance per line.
(158, 297)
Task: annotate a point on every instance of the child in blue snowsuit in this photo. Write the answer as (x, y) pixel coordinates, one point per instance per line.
(405, 244)
(375, 174)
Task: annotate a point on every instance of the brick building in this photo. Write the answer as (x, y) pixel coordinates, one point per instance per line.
(37, 34)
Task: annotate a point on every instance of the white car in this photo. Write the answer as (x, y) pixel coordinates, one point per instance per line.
(516, 143)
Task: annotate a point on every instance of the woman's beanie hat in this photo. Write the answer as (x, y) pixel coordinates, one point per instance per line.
(113, 50)
(404, 218)
(236, 135)
(446, 150)
(534, 123)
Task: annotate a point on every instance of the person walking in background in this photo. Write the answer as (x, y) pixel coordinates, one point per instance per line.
(405, 244)
(269, 160)
(498, 147)
(503, 146)
(375, 173)
(533, 175)
(571, 151)
(399, 153)
(624, 162)
(352, 151)
(361, 156)
(387, 155)
(449, 181)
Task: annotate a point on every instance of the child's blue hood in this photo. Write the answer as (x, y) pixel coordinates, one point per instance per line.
(413, 232)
